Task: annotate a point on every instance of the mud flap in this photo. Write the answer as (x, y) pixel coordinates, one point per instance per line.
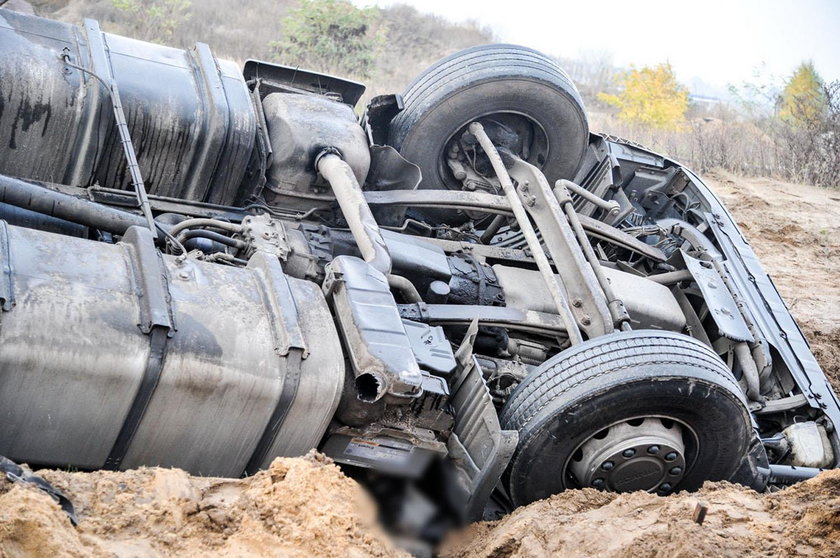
(754, 471)
(479, 450)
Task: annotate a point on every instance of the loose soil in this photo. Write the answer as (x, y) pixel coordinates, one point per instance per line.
(306, 507)
(301, 507)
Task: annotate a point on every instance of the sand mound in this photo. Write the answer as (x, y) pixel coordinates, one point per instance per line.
(298, 507)
(306, 507)
(802, 520)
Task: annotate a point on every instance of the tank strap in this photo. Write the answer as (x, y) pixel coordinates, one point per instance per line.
(7, 291)
(284, 403)
(16, 473)
(290, 346)
(156, 321)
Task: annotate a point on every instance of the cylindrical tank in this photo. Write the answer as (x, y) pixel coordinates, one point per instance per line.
(252, 365)
(190, 115)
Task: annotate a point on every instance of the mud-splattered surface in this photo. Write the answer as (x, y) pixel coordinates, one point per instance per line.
(306, 507)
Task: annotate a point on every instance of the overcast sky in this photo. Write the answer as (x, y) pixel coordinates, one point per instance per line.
(718, 41)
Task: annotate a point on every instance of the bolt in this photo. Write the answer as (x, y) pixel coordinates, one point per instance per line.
(577, 303)
(671, 456)
(665, 487)
(266, 235)
(653, 450)
(184, 275)
(607, 465)
(628, 453)
(676, 470)
(598, 483)
(585, 320)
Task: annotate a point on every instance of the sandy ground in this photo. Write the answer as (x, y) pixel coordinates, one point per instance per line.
(803, 520)
(306, 507)
(301, 507)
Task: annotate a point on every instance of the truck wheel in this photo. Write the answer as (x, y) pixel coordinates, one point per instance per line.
(526, 102)
(641, 410)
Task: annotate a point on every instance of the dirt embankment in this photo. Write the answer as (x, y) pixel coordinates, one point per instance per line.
(300, 507)
(306, 507)
(803, 520)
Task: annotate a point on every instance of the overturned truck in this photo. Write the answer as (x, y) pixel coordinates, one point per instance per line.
(464, 297)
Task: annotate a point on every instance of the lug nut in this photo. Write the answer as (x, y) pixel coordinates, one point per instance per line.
(665, 487)
(671, 456)
(653, 450)
(607, 465)
(629, 452)
(598, 483)
(676, 470)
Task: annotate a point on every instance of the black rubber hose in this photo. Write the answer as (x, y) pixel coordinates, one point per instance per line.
(214, 236)
(41, 199)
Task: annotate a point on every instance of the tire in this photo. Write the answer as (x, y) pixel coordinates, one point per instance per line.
(481, 82)
(602, 397)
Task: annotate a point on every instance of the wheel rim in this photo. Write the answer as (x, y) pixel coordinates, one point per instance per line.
(642, 453)
(527, 129)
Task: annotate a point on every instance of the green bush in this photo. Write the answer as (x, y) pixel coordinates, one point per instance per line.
(333, 36)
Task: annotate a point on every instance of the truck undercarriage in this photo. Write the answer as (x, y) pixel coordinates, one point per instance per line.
(464, 297)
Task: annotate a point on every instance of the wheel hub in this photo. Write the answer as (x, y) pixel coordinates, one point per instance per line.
(637, 454)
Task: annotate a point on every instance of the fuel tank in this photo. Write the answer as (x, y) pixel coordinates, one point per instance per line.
(115, 356)
(190, 115)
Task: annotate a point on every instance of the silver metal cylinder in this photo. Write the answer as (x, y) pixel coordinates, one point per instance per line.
(245, 363)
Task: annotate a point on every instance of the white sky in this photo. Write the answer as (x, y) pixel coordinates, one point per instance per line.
(718, 41)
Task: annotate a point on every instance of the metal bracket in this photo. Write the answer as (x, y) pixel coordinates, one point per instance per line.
(284, 315)
(722, 305)
(147, 263)
(586, 297)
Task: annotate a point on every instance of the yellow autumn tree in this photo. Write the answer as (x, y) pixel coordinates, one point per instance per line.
(803, 99)
(651, 96)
